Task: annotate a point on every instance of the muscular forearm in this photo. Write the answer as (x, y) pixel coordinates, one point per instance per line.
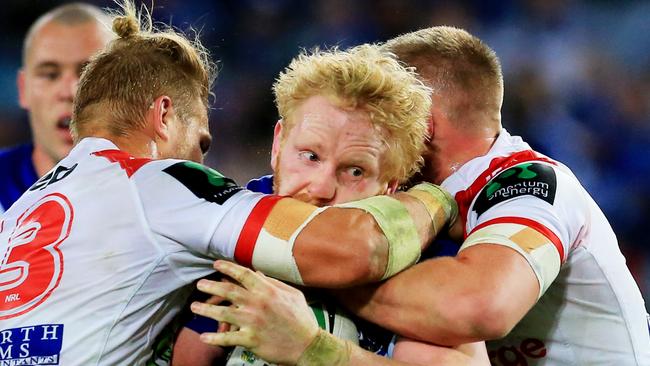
(420, 353)
(344, 247)
(451, 301)
(367, 246)
(355, 243)
(190, 351)
(327, 350)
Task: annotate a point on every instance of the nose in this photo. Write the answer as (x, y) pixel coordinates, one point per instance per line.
(322, 187)
(68, 87)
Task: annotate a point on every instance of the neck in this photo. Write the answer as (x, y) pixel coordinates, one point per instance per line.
(42, 161)
(136, 144)
(450, 152)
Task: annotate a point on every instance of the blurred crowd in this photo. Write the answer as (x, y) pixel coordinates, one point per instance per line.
(577, 79)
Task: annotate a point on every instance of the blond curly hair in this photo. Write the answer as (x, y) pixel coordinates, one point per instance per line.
(368, 78)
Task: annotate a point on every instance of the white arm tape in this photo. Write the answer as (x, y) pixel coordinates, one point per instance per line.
(274, 255)
(538, 250)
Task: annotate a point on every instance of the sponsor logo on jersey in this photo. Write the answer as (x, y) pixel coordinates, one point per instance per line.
(204, 182)
(55, 175)
(32, 345)
(528, 179)
(530, 350)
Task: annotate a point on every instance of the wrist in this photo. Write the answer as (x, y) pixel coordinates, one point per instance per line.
(325, 350)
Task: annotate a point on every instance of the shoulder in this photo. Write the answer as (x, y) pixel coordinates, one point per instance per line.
(534, 179)
(15, 154)
(202, 181)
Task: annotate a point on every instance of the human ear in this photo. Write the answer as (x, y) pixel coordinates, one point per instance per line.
(160, 113)
(275, 149)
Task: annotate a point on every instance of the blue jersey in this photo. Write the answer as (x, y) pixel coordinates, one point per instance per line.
(202, 324)
(17, 174)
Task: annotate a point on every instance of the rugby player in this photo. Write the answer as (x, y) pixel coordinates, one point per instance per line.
(538, 254)
(55, 49)
(540, 273)
(346, 134)
(99, 254)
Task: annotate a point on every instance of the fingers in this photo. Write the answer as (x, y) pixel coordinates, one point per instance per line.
(243, 275)
(228, 314)
(215, 300)
(228, 339)
(224, 290)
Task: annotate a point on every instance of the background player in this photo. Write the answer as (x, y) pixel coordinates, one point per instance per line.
(539, 271)
(99, 253)
(55, 49)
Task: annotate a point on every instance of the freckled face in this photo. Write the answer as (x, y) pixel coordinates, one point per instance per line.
(331, 155)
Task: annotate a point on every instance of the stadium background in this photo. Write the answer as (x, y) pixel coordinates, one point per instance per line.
(577, 77)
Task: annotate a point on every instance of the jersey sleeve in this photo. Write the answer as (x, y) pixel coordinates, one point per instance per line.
(536, 208)
(194, 207)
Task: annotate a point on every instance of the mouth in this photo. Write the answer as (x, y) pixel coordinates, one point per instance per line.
(63, 126)
(64, 123)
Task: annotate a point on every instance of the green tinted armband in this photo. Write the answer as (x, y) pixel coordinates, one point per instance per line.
(435, 199)
(398, 227)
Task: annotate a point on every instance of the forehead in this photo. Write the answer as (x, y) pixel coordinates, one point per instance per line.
(324, 120)
(66, 44)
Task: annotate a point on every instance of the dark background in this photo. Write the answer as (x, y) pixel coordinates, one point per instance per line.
(577, 77)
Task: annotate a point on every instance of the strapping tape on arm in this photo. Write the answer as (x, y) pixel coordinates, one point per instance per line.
(434, 199)
(539, 251)
(398, 228)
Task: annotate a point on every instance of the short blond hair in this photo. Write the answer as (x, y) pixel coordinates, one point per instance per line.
(461, 69)
(368, 78)
(119, 83)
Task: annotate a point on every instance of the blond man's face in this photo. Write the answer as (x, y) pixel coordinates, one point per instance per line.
(331, 155)
(48, 81)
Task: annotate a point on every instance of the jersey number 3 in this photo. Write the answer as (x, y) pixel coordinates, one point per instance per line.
(32, 265)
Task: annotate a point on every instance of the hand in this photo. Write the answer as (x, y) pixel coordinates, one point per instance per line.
(271, 319)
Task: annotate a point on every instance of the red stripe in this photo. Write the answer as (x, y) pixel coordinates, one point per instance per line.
(126, 161)
(550, 235)
(251, 230)
(496, 166)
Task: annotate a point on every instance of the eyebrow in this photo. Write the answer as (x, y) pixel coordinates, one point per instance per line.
(47, 64)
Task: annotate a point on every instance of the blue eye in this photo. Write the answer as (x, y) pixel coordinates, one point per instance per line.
(309, 155)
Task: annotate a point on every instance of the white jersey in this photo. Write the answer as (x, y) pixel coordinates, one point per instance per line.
(98, 255)
(593, 313)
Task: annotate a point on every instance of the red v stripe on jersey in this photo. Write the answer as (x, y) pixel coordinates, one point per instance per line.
(251, 230)
(126, 161)
(550, 235)
(497, 165)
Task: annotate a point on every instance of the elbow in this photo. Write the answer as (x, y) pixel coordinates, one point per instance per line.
(493, 323)
(481, 316)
